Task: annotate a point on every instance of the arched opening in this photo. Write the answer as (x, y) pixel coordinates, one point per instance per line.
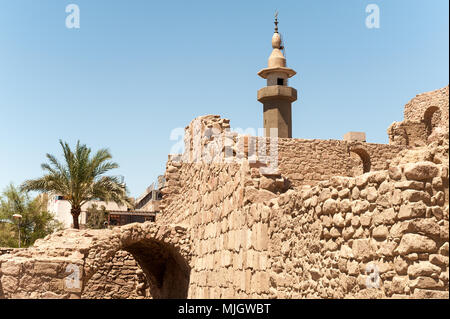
(359, 162)
(148, 269)
(167, 272)
(431, 118)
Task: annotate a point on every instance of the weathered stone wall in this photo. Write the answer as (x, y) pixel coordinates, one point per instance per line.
(232, 227)
(213, 199)
(6, 250)
(254, 241)
(63, 264)
(307, 162)
(408, 133)
(426, 120)
(208, 139)
(316, 241)
(326, 240)
(119, 278)
(416, 109)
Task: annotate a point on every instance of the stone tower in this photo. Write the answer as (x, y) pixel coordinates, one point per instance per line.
(277, 96)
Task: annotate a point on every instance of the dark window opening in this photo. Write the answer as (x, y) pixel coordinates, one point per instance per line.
(360, 162)
(432, 118)
(280, 81)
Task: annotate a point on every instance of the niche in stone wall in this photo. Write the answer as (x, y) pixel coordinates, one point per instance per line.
(431, 118)
(359, 162)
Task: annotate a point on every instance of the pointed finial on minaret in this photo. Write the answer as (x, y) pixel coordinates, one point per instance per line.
(276, 21)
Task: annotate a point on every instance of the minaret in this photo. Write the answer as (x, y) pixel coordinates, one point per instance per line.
(277, 96)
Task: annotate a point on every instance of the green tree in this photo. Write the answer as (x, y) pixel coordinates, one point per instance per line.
(8, 234)
(80, 179)
(35, 223)
(95, 217)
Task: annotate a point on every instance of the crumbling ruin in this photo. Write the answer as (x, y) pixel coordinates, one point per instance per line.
(332, 219)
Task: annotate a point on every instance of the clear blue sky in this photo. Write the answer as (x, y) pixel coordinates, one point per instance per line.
(135, 70)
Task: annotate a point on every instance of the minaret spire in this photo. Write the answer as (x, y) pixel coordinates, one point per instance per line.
(276, 21)
(277, 96)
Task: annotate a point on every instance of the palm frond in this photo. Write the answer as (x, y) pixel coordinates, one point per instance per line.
(80, 177)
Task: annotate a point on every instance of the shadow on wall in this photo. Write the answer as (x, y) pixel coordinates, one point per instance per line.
(431, 118)
(166, 271)
(359, 161)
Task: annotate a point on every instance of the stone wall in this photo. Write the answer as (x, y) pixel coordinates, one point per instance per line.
(301, 222)
(215, 200)
(119, 278)
(257, 239)
(307, 162)
(71, 263)
(416, 109)
(245, 241)
(382, 234)
(426, 119)
(408, 133)
(6, 250)
(208, 139)
(254, 239)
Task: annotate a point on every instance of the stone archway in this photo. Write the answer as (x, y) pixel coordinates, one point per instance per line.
(165, 269)
(157, 251)
(62, 264)
(360, 162)
(431, 118)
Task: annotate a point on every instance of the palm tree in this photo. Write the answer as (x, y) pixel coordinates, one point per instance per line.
(80, 179)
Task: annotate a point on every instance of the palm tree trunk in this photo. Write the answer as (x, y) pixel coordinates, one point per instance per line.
(76, 211)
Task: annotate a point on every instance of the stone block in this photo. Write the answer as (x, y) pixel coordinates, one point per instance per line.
(11, 267)
(415, 243)
(430, 294)
(386, 217)
(423, 268)
(329, 206)
(400, 265)
(421, 171)
(439, 260)
(426, 283)
(380, 232)
(46, 268)
(363, 249)
(412, 210)
(355, 137)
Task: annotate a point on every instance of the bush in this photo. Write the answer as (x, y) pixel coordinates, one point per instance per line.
(96, 218)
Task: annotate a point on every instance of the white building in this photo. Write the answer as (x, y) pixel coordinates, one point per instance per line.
(60, 208)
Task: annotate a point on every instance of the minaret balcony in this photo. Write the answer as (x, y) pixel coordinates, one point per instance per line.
(264, 73)
(277, 92)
